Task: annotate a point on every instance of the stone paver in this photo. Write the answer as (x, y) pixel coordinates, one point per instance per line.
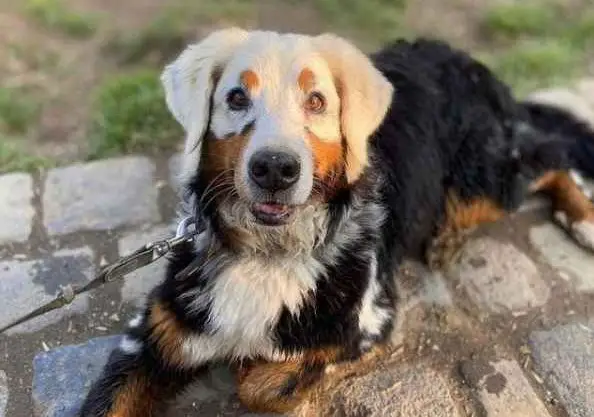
(586, 90)
(503, 389)
(499, 277)
(100, 196)
(392, 391)
(16, 209)
(26, 285)
(562, 253)
(138, 283)
(58, 393)
(3, 393)
(564, 357)
(174, 166)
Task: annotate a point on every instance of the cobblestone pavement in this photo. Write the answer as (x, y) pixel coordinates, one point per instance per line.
(506, 331)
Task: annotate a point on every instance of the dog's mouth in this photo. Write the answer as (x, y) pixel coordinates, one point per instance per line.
(272, 214)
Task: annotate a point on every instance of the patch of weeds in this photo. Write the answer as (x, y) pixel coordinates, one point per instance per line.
(521, 18)
(379, 20)
(581, 32)
(531, 65)
(14, 158)
(130, 115)
(170, 32)
(55, 15)
(18, 110)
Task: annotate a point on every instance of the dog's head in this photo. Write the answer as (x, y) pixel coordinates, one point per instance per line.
(274, 121)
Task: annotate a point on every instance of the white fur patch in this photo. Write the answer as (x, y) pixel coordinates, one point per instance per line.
(372, 317)
(246, 301)
(135, 322)
(130, 346)
(581, 231)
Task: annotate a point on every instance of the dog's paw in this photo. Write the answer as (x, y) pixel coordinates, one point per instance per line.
(581, 231)
(444, 249)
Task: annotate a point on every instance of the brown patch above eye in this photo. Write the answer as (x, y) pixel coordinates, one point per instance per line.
(306, 80)
(328, 155)
(250, 80)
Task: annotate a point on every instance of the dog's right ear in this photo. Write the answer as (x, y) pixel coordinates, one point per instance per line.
(189, 83)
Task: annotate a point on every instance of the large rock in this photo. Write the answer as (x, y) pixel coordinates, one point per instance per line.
(564, 357)
(100, 196)
(503, 389)
(26, 285)
(16, 209)
(63, 376)
(390, 391)
(565, 255)
(498, 277)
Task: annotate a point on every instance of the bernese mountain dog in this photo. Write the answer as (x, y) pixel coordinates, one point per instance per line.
(312, 170)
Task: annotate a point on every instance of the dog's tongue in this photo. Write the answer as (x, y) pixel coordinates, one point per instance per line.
(271, 208)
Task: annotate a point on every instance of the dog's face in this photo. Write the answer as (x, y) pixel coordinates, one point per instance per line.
(274, 122)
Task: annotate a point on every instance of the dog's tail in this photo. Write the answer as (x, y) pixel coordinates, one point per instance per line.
(577, 135)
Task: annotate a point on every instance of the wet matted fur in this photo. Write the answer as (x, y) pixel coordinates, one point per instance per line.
(314, 170)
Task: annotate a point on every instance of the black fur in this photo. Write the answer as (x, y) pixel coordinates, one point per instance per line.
(452, 128)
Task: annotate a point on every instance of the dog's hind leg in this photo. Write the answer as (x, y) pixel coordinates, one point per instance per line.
(460, 218)
(573, 208)
(146, 371)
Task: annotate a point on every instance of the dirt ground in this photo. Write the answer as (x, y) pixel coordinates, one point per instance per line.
(62, 71)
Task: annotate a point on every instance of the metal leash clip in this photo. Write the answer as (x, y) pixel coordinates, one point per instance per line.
(140, 258)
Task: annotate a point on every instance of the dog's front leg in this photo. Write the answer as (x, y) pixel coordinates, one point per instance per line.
(155, 361)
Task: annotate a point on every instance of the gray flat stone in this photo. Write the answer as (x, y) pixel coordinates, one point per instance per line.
(390, 391)
(499, 277)
(16, 209)
(62, 377)
(3, 393)
(564, 357)
(566, 99)
(26, 285)
(503, 389)
(138, 283)
(562, 253)
(100, 195)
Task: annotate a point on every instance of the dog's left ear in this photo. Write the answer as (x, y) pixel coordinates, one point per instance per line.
(189, 82)
(365, 96)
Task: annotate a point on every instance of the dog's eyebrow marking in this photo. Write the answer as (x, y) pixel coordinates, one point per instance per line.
(306, 80)
(249, 79)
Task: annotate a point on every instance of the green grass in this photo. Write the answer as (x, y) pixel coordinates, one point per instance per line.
(377, 20)
(581, 32)
(55, 15)
(130, 115)
(522, 18)
(14, 158)
(531, 65)
(18, 110)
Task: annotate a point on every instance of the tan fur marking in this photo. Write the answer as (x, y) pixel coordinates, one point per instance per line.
(566, 195)
(222, 155)
(328, 155)
(135, 398)
(250, 80)
(306, 80)
(261, 384)
(462, 215)
(167, 334)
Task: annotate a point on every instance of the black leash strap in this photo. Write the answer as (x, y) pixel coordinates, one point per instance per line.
(142, 257)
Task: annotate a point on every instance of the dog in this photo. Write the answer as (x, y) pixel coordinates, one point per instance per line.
(314, 169)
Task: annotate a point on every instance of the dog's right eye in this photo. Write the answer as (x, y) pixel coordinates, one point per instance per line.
(238, 100)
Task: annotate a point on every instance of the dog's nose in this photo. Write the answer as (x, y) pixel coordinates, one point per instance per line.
(274, 170)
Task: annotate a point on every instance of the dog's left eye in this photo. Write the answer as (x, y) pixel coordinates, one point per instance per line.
(316, 103)
(237, 99)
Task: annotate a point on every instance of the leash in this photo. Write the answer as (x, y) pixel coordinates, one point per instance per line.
(140, 258)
